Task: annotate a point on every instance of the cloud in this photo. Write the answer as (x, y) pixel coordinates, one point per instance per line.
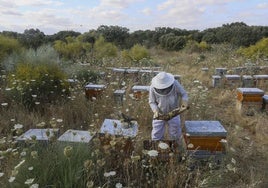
(146, 11)
(35, 2)
(262, 5)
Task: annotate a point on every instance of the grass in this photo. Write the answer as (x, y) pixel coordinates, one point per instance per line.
(104, 163)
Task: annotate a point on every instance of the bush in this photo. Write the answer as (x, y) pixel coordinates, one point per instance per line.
(37, 84)
(87, 76)
(136, 53)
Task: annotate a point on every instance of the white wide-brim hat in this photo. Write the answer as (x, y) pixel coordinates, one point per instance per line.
(162, 80)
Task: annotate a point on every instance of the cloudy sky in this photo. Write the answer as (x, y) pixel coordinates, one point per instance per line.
(51, 16)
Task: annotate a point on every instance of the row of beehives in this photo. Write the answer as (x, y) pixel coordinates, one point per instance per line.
(247, 70)
(234, 81)
(202, 138)
(251, 100)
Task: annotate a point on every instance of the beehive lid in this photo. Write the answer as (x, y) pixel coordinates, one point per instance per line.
(132, 70)
(38, 134)
(205, 128)
(116, 127)
(221, 69)
(216, 77)
(145, 71)
(120, 92)
(265, 98)
(119, 70)
(204, 69)
(140, 88)
(264, 76)
(76, 136)
(247, 77)
(95, 86)
(232, 76)
(250, 91)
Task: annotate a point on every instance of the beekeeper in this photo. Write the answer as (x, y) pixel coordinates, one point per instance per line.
(165, 95)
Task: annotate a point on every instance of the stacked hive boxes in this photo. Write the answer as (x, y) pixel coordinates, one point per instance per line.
(249, 100)
(205, 138)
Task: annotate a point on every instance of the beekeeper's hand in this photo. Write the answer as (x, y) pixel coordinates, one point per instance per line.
(184, 104)
(156, 114)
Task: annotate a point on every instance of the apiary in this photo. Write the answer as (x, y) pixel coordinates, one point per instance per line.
(118, 134)
(261, 81)
(205, 136)
(119, 96)
(40, 135)
(139, 91)
(78, 136)
(220, 71)
(216, 81)
(265, 103)
(247, 81)
(249, 94)
(232, 81)
(94, 90)
(177, 77)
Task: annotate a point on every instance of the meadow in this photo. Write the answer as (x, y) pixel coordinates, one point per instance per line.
(54, 164)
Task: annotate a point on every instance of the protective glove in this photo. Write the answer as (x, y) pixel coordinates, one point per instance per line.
(156, 114)
(184, 104)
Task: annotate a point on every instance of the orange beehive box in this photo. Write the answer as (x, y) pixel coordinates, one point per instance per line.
(205, 135)
(249, 94)
(94, 90)
(140, 91)
(248, 108)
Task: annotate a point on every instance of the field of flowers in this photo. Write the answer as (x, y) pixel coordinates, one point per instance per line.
(104, 161)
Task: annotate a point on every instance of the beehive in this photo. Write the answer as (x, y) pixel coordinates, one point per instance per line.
(232, 81)
(119, 96)
(249, 94)
(77, 136)
(94, 90)
(261, 81)
(216, 81)
(265, 103)
(204, 69)
(247, 81)
(140, 91)
(220, 71)
(239, 70)
(205, 136)
(40, 135)
(118, 134)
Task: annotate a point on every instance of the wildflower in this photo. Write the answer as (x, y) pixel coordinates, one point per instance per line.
(68, 151)
(153, 153)
(233, 161)
(12, 120)
(34, 154)
(59, 120)
(108, 174)
(18, 126)
(1, 174)
(190, 145)
(11, 179)
(30, 168)
(29, 181)
(163, 145)
(41, 125)
(118, 185)
(34, 96)
(4, 104)
(37, 103)
(23, 154)
(34, 185)
(90, 184)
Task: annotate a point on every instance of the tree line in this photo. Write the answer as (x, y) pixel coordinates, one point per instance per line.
(237, 34)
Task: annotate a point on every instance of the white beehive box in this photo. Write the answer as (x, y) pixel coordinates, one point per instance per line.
(76, 136)
(42, 135)
(247, 81)
(119, 96)
(232, 80)
(220, 71)
(116, 127)
(216, 81)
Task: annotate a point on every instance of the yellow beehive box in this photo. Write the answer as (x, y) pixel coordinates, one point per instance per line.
(205, 135)
(249, 94)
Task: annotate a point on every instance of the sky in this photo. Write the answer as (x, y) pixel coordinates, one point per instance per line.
(52, 16)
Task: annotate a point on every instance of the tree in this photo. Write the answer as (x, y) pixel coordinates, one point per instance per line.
(32, 38)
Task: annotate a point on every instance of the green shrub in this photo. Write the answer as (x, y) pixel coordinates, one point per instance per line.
(136, 53)
(85, 76)
(37, 84)
(8, 46)
(104, 49)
